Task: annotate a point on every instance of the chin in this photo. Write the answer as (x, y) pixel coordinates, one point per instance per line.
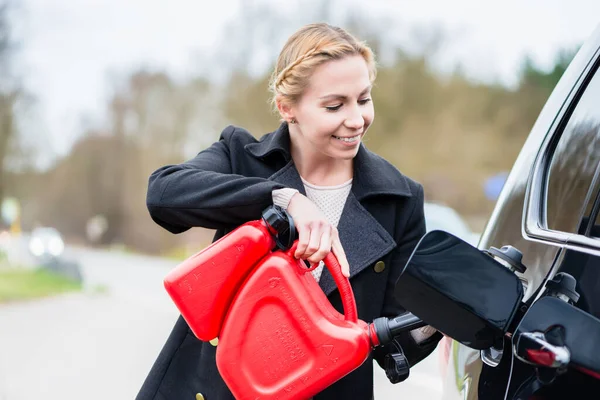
(345, 155)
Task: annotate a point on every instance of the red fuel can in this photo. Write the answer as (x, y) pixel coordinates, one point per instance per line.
(282, 339)
(202, 287)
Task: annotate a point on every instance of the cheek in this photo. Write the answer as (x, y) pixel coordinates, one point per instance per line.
(317, 122)
(327, 123)
(369, 114)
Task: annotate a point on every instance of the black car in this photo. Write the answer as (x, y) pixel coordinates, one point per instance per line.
(549, 212)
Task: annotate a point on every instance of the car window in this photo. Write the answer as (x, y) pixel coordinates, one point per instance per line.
(574, 163)
(594, 229)
(570, 192)
(589, 224)
(585, 268)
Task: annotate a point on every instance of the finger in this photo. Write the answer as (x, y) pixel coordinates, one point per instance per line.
(303, 238)
(315, 240)
(338, 245)
(324, 246)
(338, 251)
(344, 267)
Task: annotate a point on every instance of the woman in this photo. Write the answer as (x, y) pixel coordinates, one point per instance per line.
(342, 197)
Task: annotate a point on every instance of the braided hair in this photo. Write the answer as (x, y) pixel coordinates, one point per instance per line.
(309, 47)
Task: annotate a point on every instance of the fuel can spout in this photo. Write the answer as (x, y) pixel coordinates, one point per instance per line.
(383, 330)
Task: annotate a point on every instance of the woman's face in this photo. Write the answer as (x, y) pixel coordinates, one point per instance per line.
(336, 109)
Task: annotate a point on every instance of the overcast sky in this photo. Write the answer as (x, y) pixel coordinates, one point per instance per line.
(70, 46)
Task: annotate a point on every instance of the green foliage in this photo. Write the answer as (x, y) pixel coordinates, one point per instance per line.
(21, 284)
(533, 76)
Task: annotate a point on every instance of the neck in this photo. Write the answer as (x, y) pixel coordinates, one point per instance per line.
(317, 168)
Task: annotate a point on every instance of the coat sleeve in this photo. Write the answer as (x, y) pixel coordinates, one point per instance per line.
(414, 231)
(204, 191)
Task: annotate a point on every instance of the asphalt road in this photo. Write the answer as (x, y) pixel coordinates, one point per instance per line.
(100, 344)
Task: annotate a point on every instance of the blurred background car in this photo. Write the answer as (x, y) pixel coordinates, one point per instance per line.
(46, 244)
(47, 247)
(442, 217)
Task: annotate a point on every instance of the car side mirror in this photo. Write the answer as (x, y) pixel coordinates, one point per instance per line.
(459, 290)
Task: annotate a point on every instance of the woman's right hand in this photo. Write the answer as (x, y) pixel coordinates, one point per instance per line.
(316, 236)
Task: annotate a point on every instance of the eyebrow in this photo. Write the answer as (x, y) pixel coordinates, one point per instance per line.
(343, 97)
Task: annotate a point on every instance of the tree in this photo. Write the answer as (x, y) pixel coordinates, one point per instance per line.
(531, 75)
(9, 92)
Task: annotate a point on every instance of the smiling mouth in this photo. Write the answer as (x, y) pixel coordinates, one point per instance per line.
(350, 139)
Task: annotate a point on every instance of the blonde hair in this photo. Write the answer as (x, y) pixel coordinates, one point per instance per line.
(309, 47)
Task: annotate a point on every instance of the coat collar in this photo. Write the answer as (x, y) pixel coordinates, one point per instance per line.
(372, 174)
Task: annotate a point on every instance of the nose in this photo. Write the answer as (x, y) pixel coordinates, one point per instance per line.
(354, 119)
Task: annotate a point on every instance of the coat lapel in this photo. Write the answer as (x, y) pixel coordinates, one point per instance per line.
(363, 238)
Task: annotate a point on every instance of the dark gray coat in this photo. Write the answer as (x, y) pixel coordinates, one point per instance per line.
(229, 184)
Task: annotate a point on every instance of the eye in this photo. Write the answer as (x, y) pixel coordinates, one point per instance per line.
(333, 108)
(362, 102)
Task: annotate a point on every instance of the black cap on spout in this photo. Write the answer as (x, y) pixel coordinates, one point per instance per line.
(275, 219)
(281, 225)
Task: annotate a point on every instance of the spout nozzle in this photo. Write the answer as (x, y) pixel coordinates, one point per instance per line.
(385, 329)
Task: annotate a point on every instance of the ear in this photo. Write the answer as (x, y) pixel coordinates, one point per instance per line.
(285, 110)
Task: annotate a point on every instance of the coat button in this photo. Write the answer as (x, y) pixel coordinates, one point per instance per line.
(214, 341)
(379, 266)
(199, 396)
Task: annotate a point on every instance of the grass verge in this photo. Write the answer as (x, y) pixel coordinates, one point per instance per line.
(23, 284)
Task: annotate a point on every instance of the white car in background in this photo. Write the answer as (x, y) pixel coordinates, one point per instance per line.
(47, 246)
(46, 243)
(441, 217)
